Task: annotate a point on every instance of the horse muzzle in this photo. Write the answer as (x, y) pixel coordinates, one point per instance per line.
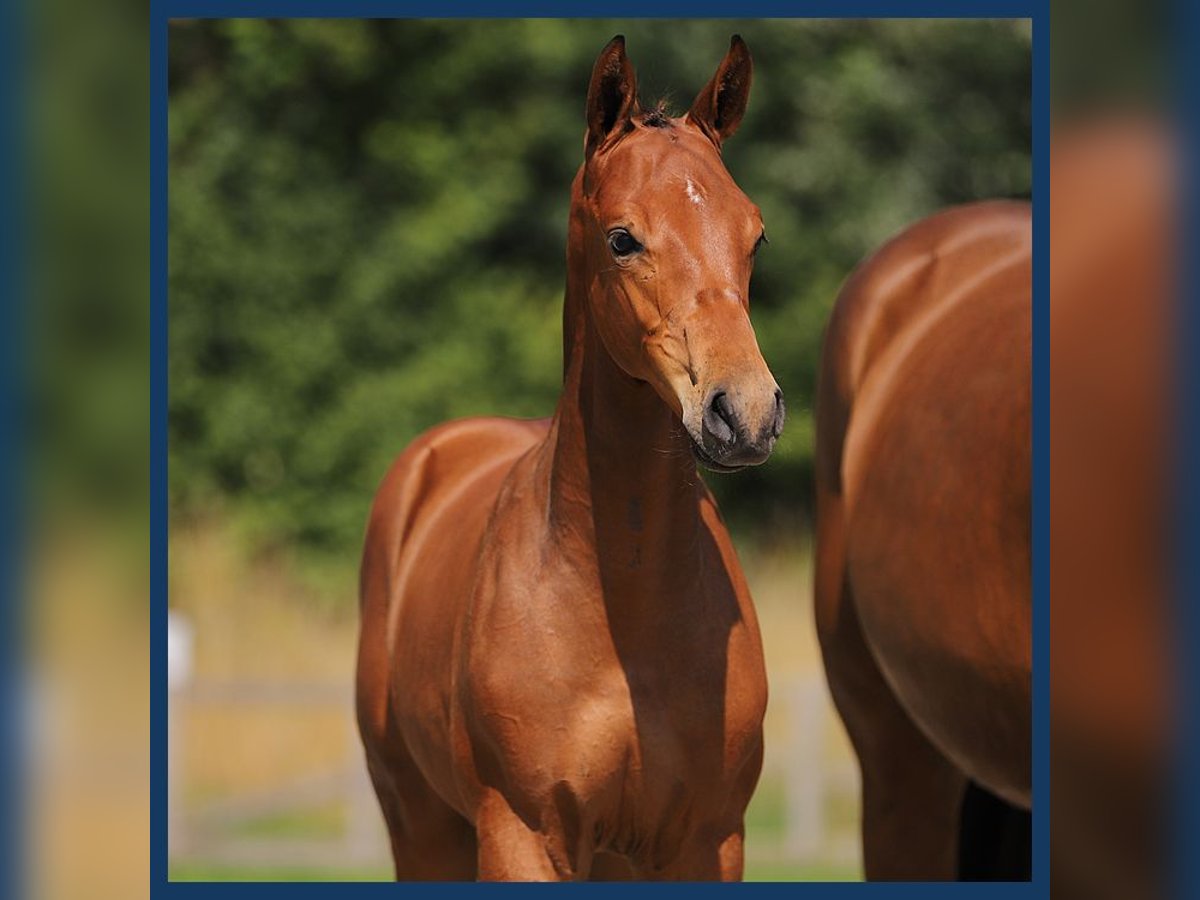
(738, 429)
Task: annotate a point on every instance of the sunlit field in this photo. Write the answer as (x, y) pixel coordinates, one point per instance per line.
(84, 715)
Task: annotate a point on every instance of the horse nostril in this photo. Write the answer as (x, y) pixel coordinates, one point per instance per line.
(720, 405)
(720, 418)
(780, 414)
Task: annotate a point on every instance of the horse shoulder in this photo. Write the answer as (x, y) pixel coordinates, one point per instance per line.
(427, 518)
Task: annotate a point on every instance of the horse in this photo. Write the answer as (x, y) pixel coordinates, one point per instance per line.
(560, 672)
(922, 573)
(1113, 203)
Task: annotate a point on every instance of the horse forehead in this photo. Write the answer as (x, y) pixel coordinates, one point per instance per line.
(656, 168)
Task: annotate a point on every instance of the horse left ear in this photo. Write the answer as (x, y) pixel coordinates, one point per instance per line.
(718, 109)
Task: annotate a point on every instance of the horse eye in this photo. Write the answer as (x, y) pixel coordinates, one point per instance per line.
(762, 239)
(622, 243)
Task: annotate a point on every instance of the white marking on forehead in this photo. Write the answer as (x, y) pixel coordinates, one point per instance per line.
(694, 193)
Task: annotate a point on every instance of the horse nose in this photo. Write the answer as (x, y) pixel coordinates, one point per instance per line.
(737, 432)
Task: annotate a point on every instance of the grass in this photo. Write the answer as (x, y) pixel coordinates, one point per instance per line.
(785, 871)
(325, 821)
(765, 817)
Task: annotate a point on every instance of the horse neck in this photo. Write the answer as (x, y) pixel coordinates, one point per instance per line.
(623, 482)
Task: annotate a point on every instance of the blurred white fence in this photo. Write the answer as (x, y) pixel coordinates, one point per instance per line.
(210, 830)
(814, 779)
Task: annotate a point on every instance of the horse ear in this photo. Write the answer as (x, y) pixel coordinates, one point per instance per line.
(612, 94)
(718, 109)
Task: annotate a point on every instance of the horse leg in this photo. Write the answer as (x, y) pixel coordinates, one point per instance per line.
(611, 867)
(911, 795)
(509, 850)
(430, 840)
(709, 856)
(995, 838)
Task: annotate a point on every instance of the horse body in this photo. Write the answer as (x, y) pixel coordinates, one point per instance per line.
(1113, 220)
(923, 542)
(560, 671)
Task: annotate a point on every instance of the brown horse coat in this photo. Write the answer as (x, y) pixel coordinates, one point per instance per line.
(560, 671)
(1113, 193)
(923, 534)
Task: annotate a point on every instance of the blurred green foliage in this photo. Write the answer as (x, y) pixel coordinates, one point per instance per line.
(368, 223)
(85, 155)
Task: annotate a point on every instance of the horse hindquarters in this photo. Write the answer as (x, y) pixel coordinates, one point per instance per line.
(922, 538)
(921, 818)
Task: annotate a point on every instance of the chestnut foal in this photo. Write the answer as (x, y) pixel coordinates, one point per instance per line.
(560, 672)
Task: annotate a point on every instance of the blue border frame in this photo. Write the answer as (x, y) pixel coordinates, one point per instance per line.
(161, 11)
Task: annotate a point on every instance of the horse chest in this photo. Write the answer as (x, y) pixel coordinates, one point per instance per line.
(646, 747)
(647, 773)
(637, 703)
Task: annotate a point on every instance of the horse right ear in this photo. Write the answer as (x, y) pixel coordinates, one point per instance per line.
(612, 94)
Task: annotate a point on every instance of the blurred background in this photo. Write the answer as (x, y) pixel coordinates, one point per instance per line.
(82, 194)
(367, 236)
